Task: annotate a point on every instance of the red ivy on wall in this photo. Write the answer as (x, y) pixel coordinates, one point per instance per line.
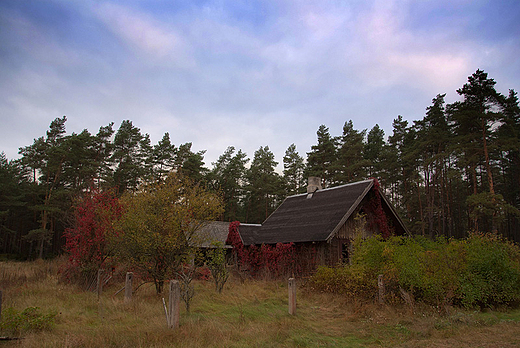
(275, 260)
(375, 209)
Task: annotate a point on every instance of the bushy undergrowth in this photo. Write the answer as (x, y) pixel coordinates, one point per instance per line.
(482, 270)
(15, 323)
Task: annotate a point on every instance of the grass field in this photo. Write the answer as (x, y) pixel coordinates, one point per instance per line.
(249, 314)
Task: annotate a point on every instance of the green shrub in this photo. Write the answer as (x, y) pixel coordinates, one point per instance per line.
(16, 323)
(348, 280)
(329, 279)
(483, 270)
(371, 254)
(216, 262)
(442, 263)
(492, 272)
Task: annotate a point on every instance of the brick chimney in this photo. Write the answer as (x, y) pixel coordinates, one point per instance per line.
(314, 184)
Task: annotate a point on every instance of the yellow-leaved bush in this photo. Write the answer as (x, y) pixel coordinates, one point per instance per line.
(157, 232)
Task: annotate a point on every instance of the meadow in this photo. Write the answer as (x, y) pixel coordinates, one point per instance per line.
(251, 313)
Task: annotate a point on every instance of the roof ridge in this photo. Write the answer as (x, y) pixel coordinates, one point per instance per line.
(333, 188)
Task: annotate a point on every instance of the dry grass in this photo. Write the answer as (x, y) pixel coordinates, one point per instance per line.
(250, 314)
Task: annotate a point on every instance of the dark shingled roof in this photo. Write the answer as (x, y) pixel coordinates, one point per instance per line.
(308, 217)
(249, 233)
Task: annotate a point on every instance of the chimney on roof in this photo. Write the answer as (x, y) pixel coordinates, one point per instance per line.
(314, 184)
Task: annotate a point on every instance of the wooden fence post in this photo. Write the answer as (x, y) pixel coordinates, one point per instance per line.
(381, 286)
(292, 296)
(128, 286)
(174, 305)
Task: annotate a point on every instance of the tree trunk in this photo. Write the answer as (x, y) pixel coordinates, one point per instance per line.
(420, 208)
(486, 156)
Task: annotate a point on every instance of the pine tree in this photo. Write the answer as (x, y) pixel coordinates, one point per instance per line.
(132, 157)
(473, 119)
(190, 163)
(103, 149)
(433, 137)
(293, 172)
(322, 158)
(163, 156)
(350, 165)
(373, 150)
(264, 186)
(227, 177)
(46, 157)
(15, 188)
(508, 138)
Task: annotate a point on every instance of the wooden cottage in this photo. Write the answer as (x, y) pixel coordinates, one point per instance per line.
(327, 220)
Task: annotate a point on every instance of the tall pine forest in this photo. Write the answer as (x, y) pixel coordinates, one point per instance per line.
(454, 171)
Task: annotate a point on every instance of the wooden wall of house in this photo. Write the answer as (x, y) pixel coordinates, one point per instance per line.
(354, 227)
(317, 253)
(340, 247)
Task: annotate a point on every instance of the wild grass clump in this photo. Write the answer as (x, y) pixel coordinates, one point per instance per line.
(352, 281)
(16, 274)
(15, 323)
(480, 271)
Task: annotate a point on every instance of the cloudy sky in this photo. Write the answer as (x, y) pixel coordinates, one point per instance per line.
(243, 73)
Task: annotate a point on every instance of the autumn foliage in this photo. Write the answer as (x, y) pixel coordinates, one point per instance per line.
(87, 241)
(264, 260)
(158, 231)
(375, 209)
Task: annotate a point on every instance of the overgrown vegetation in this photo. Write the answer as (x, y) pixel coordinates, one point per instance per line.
(268, 261)
(17, 323)
(246, 314)
(217, 264)
(480, 271)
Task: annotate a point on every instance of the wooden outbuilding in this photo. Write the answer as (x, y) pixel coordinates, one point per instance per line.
(326, 221)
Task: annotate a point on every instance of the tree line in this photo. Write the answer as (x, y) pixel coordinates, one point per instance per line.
(455, 170)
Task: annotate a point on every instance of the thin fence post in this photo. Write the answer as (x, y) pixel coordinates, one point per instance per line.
(292, 296)
(0, 304)
(99, 286)
(381, 286)
(99, 289)
(174, 304)
(128, 286)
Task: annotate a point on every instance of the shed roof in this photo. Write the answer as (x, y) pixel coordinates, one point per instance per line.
(249, 233)
(213, 231)
(312, 217)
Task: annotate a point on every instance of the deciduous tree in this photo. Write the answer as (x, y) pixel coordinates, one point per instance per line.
(158, 227)
(87, 241)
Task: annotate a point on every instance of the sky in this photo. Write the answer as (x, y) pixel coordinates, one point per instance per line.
(243, 73)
